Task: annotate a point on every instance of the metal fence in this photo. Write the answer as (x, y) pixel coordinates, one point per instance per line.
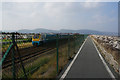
(22, 60)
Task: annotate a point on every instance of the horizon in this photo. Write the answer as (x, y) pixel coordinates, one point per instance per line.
(54, 30)
(63, 15)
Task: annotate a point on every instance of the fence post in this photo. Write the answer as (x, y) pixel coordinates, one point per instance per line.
(83, 37)
(57, 53)
(74, 43)
(16, 38)
(79, 41)
(21, 61)
(68, 46)
(13, 56)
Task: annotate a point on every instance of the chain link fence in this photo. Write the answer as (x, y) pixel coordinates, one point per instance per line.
(20, 59)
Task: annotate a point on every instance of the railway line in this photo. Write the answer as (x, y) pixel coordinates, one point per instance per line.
(29, 52)
(25, 57)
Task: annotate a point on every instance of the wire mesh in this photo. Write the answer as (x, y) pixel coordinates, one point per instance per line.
(40, 61)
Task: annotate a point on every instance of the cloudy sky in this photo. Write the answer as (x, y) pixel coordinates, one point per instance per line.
(101, 16)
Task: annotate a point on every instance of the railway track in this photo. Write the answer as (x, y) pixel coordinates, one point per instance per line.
(25, 57)
(27, 53)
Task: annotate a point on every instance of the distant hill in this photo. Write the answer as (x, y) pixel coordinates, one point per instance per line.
(39, 30)
(83, 31)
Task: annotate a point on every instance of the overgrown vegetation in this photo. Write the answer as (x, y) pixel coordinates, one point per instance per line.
(20, 45)
(44, 66)
(49, 70)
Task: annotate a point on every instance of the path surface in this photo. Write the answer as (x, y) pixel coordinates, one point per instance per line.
(88, 64)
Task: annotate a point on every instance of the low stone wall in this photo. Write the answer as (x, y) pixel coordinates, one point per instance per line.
(112, 58)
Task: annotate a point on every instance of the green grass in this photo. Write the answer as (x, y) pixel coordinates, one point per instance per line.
(30, 68)
(6, 40)
(49, 70)
(37, 63)
(45, 66)
(21, 44)
(10, 40)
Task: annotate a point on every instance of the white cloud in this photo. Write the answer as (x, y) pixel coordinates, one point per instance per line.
(53, 9)
(103, 19)
(60, 0)
(91, 3)
(54, 15)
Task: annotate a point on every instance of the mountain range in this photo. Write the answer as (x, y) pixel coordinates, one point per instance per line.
(81, 31)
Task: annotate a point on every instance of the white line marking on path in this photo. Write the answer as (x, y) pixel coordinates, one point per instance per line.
(68, 68)
(107, 68)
